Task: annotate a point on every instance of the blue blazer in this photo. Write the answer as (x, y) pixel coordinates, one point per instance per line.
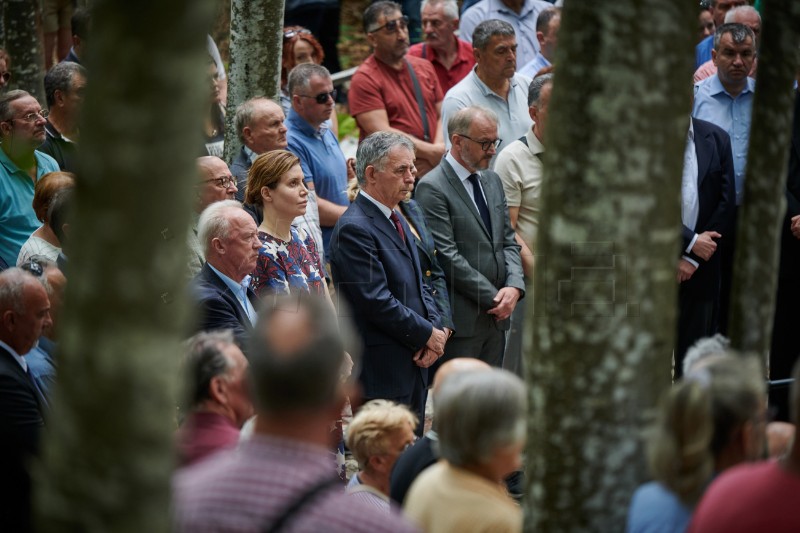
(380, 279)
(219, 308)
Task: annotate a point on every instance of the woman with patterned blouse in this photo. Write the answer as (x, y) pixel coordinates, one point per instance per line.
(288, 261)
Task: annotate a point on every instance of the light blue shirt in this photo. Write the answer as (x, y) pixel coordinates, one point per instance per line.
(714, 104)
(239, 289)
(515, 120)
(524, 23)
(655, 509)
(531, 68)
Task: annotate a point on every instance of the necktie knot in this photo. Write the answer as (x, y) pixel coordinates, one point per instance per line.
(396, 220)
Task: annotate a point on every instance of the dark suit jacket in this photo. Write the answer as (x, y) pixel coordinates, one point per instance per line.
(432, 273)
(239, 167)
(717, 203)
(379, 276)
(475, 263)
(790, 245)
(21, 420)
(218, 306)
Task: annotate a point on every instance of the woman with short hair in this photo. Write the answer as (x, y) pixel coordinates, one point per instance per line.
(43, 243)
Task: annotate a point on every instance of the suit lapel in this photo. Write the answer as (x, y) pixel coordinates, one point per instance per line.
(241, 314)
(25, 378)
(384, 225)
(458, 186)
(703, 153)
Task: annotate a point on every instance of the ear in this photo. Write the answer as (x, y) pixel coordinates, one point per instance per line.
(476, 54)
(296, 100)
(265, 195)
(371, 39)
(5, 127)
(58, 95)
(218, 390)
(369, 174)
(454, 24)
(540, 37)
(7, 319)
(714, 56)
(247, 134)
(376, 463)
(533, 111)
(216, 244)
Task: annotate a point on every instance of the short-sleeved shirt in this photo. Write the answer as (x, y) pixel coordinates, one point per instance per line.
(712, 103)
(524, 23)
(512, 112)
(322, 162)
(520, 169)
(462, 65)
(376, 85)
(17, 218)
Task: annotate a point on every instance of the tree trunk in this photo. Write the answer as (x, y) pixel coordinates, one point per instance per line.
(255, 67)
(761, 214)
(22, 44)
(605, 283)
(108, 452)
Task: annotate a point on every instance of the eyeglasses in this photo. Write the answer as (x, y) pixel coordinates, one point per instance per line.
(322, 98)
(291, 33)
(32, 117)
(393, 25)
(485, 145)
(6, 76)
(34, 267)
(223, 182)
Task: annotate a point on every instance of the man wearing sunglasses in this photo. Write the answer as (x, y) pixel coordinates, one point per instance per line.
(394, 91)
(22, 123)
(310, 139)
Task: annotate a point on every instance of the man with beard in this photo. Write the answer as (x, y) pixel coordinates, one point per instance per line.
(22, 123)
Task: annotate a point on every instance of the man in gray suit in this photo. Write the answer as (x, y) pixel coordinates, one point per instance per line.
(466, 210)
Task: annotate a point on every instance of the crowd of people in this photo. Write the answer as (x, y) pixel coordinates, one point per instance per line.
(327, 287)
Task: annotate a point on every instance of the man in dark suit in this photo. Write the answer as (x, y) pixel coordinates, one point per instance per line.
(376, 270)
(708, 208)
(221, 288)
(24, 313)
(466, 210)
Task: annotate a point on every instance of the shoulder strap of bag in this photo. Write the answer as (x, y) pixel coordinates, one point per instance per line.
(300, 502)
(420, 101)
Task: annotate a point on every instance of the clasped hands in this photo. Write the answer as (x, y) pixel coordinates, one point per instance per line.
(704, 247)
(433, 349)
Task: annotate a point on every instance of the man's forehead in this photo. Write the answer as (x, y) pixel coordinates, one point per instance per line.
(726, 41)
(497, 41)
(434, 12)
(320, 80)
(26, 103)
(269, 110)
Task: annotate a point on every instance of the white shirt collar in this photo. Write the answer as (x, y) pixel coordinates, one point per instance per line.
(385, 210)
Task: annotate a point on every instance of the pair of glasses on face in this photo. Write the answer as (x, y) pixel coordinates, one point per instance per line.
(291, 33)
(393, 25)
(33, 117)
(485, 145)
(223, 182)
(321, 98)
(5, 76)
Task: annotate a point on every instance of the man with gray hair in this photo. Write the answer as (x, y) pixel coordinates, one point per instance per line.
(217, 399)
(493, 83)
(521, 14)
(311, 140)
(466, 211)
(221, 289)
(451, 57)
(481, 429)
(22, 132)
(376, 269)
(284, 475)
(520, 169)
(746, 15)
(24, 314)
(64, 85)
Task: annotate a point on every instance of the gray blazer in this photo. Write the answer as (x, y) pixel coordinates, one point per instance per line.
(475, 263)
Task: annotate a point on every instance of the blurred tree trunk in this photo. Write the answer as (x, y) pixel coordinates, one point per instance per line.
(108, 454)
(255, 67)
(22, 44)
(605, 282)
(760, 216)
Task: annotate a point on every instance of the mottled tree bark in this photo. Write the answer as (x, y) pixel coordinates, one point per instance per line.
(605, 282)
(108, 454)
(255, 66)
(761, 214)
(22, 44)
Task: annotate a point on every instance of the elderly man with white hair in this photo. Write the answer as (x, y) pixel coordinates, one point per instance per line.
(481, 429)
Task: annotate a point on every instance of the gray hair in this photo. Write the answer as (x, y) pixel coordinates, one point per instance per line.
(703, 348)
(378, 9)
(536, 86)
(5, 103)
(214, 222)
(487, 29)
(12, 289)
(545, 16)
(741, 10)
(450, 7)
(300, 76)
(204, 359)
(477, 413)
(739, 32)
(306, 374)
(462, 119)
(374, 149)
(60, 78)
(244, 115)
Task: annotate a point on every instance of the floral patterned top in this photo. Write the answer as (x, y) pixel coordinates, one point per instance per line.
(286, 267)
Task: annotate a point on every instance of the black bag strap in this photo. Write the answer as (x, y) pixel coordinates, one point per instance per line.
(420, 101)
(300, 502)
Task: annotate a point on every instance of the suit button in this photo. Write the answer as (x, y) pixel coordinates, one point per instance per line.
(435, 251)
(427, 273)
